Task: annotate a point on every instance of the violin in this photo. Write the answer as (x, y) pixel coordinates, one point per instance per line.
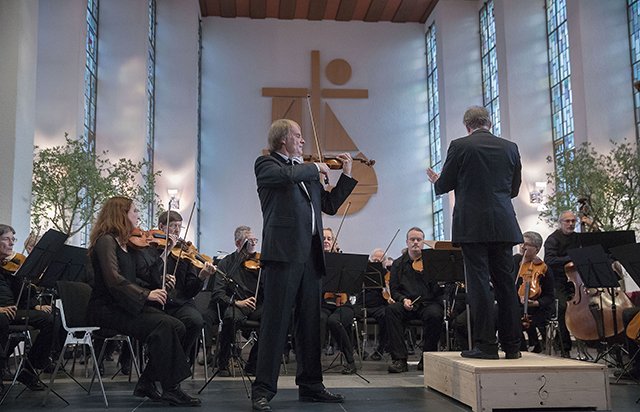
(13, 262)
(386, 290)
(417, 264)
(338, 299)
(186, 251)
(334, 163)
(253, 263)
(531, 273)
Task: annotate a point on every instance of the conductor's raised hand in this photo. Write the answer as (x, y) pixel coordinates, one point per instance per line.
(158, 295)
(432, 175)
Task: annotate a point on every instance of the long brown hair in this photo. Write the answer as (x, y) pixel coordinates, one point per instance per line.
(113, 220)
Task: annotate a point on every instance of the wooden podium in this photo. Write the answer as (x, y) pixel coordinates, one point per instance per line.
(533, 381)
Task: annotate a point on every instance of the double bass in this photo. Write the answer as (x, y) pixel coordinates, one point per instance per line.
(583, 318)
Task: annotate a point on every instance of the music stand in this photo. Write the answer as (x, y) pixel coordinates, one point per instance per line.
(344, 274)
(629, 257)
(607, 240)
(373, 276)
(594, 267)
(445, 265)
(31, 270)
(68, 264)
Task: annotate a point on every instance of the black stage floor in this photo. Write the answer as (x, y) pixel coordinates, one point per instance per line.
(385, 392)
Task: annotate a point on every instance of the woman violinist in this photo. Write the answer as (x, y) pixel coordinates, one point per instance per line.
(532, 271)
(120, 304)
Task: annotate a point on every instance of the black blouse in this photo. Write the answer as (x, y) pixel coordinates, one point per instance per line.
(115, 277)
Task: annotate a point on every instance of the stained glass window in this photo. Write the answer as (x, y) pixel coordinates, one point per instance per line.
(489, 62)
(148, 216)
(433, 114)
(91, 76)
(560, 83)
(633, 12)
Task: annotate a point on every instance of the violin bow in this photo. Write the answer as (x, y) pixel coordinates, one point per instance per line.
(390, 243)
(315, 136)
(166, 255)
(335, 239)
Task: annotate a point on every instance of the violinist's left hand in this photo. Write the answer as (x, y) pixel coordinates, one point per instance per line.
(43, 308)
(432, 175)
(347, 163)
(172, 241)
(169, 282)
(207, 270)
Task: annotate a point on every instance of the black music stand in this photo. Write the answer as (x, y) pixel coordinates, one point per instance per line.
(607, 240)
(373, 276)
(344, 274)
(445, 265)
(594, 267)
(69, 264)
(629, 257)
(32, 271)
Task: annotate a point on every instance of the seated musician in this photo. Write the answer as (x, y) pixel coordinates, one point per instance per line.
(236, 291)
(631, 321)
(12, 313)
(527, 264)
(338, 313)
(555, 256)
(182, 287)
(376, 301)
(416, 298)
(120, 304)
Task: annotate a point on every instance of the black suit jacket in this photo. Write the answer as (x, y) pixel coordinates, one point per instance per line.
(286, 233)
(484, 172)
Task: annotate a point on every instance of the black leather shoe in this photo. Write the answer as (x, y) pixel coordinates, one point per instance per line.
(177, 397)
(260, 404)
(476, 353)
(376, 356)
(147, 389)
(513, 355)
(320, 396)
(398, 366)
(349, 369)
(30, 380)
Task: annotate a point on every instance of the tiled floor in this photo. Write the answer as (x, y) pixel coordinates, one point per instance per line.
(385, 392)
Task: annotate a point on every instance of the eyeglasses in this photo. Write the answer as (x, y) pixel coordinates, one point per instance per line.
(253, 240)
(12, 239)
(569, 220)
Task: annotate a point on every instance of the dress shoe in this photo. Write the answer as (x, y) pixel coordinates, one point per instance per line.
(30, 380)
(398, 366)
(513, 355)
(376, 356)
(537, 348)
(147, 389)
(349, 368)
(320, 396)
(476, 353)
(177, 397)
(260, 404)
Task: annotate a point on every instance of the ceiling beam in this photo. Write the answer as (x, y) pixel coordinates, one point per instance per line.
(346, 9)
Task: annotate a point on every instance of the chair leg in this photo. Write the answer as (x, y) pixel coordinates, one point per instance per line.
(134, 360)
(96, 371)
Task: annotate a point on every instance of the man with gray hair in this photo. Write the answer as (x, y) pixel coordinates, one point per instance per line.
(555, 256)
(484, 171)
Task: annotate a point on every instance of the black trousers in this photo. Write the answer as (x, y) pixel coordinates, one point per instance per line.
(484, 262)
(340, 321)
(378, 313)
(564, 291)
(193, 322)
(288, 285)
(235, 315)
(43, 322)
(431, 314)
(162, 333)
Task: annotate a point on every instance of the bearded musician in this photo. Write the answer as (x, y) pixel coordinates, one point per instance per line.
(235, 290)
(530, 268)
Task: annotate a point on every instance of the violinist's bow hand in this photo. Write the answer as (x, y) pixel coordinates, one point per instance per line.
(170, 282)
(432, 176)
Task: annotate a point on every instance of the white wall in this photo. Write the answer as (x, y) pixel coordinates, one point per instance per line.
(241, 56)
(18, 57)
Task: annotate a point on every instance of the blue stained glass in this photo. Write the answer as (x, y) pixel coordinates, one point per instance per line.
(633, 20)
(433, 114)
(489, 63)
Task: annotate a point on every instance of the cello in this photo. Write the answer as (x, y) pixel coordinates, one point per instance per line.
(583, 318)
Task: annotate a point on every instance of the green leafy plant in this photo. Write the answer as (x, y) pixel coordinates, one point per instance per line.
(606, 185)
(70, 185)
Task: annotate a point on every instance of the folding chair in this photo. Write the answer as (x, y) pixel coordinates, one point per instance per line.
(73, 305)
